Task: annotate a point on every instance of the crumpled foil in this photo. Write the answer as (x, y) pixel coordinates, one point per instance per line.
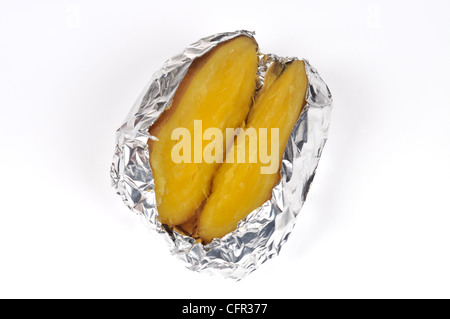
(263, 232)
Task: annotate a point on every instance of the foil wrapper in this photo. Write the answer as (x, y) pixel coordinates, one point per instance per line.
(263, 232)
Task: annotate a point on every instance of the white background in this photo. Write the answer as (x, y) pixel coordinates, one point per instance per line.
(377, 220)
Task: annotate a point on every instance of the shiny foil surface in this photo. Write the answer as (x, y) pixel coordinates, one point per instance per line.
(263, 232)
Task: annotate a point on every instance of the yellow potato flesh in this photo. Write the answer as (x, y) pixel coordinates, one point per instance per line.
(239, 188)
(217, 90)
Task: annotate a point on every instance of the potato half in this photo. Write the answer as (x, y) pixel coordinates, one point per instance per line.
(217, 90)
(239, 188)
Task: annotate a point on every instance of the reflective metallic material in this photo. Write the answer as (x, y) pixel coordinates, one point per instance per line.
(262, 233)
